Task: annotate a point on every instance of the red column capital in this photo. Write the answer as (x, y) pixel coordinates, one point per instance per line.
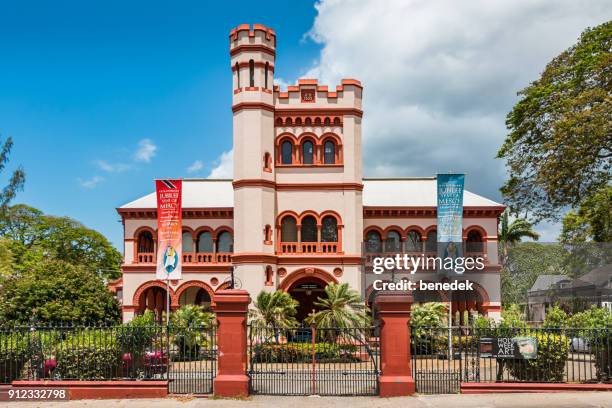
(231, 307)
(394, 311)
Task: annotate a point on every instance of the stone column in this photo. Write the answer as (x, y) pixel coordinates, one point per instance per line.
(231, 307)
(394, 311)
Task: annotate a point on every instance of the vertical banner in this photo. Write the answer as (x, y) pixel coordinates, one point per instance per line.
(169, 229)
(450, 218)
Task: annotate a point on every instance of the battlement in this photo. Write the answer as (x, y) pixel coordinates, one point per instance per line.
(309, 91)
(245, 37)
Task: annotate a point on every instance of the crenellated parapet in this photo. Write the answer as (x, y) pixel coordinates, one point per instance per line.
(308, 94)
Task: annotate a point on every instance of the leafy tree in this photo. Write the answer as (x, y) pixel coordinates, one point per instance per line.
(559, 147)
(555, 318)
(62, 238)
(274, 309)
(429, 315)
(6, 259)
(525, 262)
(16, 180)
(511, 233)
(54, 291)
(342, 307)
(592, 220)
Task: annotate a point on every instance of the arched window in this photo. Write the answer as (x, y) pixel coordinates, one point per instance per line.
(307, 152)
(266, 74)
(432, 241)
(267, 162)
(225, 242)
(329, 229)
(373, 242)
(267, 234)
(269, 275)
(393, 243)
(288, 229)
(287, 152)
(474, 242)
(187, 242)
(205, 242)
(309, 229)
(238, 75)
(329, 152)
(413, 242)
(145, 242)
(251, 73)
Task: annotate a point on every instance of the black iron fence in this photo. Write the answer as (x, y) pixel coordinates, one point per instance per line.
(309, 361)
(186, 356)
(442, 358)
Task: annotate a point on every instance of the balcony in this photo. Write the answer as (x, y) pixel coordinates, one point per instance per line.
(319, 248)
(192, 258)
(200, 258)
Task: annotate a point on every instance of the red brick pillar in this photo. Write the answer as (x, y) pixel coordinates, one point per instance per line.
(231, 307)
(394, 311)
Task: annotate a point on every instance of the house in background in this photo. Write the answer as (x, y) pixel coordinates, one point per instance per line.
(591, 289)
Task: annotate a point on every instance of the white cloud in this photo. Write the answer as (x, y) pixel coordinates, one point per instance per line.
(113, 167)
(195, 166)
(146, 151)
(282, 83)
(91, 182)
(224, 166)
(440, 76)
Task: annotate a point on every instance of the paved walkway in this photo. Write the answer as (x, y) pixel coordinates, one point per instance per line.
(564, 400)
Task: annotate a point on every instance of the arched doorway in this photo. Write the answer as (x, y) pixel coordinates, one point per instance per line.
(306, 286)
(194, 292)
(306, 291)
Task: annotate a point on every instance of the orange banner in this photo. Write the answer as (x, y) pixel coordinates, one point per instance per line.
(169, 229)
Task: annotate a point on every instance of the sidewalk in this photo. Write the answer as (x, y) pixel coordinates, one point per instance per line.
(552, 400)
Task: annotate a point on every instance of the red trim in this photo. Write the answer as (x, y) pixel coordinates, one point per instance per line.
(488, 388)
(252, 105)
(191, 284)
(103, 389)
(253, 47)
(150, 284)
(188, 213)
(300, 274)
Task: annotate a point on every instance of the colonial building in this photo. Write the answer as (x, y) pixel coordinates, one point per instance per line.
(298, 210)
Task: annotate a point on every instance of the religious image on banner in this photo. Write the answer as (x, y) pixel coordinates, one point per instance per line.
(450, 218)
(169, 229)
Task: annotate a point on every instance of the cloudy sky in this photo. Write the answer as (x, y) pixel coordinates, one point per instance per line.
(103, 99)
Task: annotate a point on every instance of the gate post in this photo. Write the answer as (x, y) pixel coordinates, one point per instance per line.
(394, 311)
(231, 307)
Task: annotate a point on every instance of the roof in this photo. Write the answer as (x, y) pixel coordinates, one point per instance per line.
(377, 192)
(545, 282)
(597, 277)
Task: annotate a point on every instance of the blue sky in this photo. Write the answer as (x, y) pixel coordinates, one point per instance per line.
(101, 98)
(87, 88)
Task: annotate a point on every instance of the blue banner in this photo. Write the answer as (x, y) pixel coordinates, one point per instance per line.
(450, 216)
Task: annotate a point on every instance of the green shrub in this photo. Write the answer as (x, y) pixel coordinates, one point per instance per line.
(138, 335)
(549, 365)
(555, 318)
(302, 353)
(595, 325)
(89, 355)
(13, 355)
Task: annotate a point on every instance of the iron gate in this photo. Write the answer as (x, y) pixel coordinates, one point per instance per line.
(193, 360)
(314, 361)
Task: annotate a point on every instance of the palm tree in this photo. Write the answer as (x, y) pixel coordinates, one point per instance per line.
(342, 307)
(511, 233)
(274, 309)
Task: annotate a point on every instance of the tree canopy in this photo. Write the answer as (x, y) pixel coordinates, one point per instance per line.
(31, 232)
(559, 147)
(17, 178)
(55, 291)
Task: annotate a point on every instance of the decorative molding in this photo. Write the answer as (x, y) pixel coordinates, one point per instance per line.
(252, 105)
(188, 213)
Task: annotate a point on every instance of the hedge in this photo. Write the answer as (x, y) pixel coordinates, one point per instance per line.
(302, 353)
(549, 365)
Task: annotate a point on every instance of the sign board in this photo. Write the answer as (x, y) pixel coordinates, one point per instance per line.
(450, 216)
(521, 348)
(169, 229)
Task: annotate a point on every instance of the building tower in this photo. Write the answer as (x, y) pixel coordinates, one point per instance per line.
(252, 52)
